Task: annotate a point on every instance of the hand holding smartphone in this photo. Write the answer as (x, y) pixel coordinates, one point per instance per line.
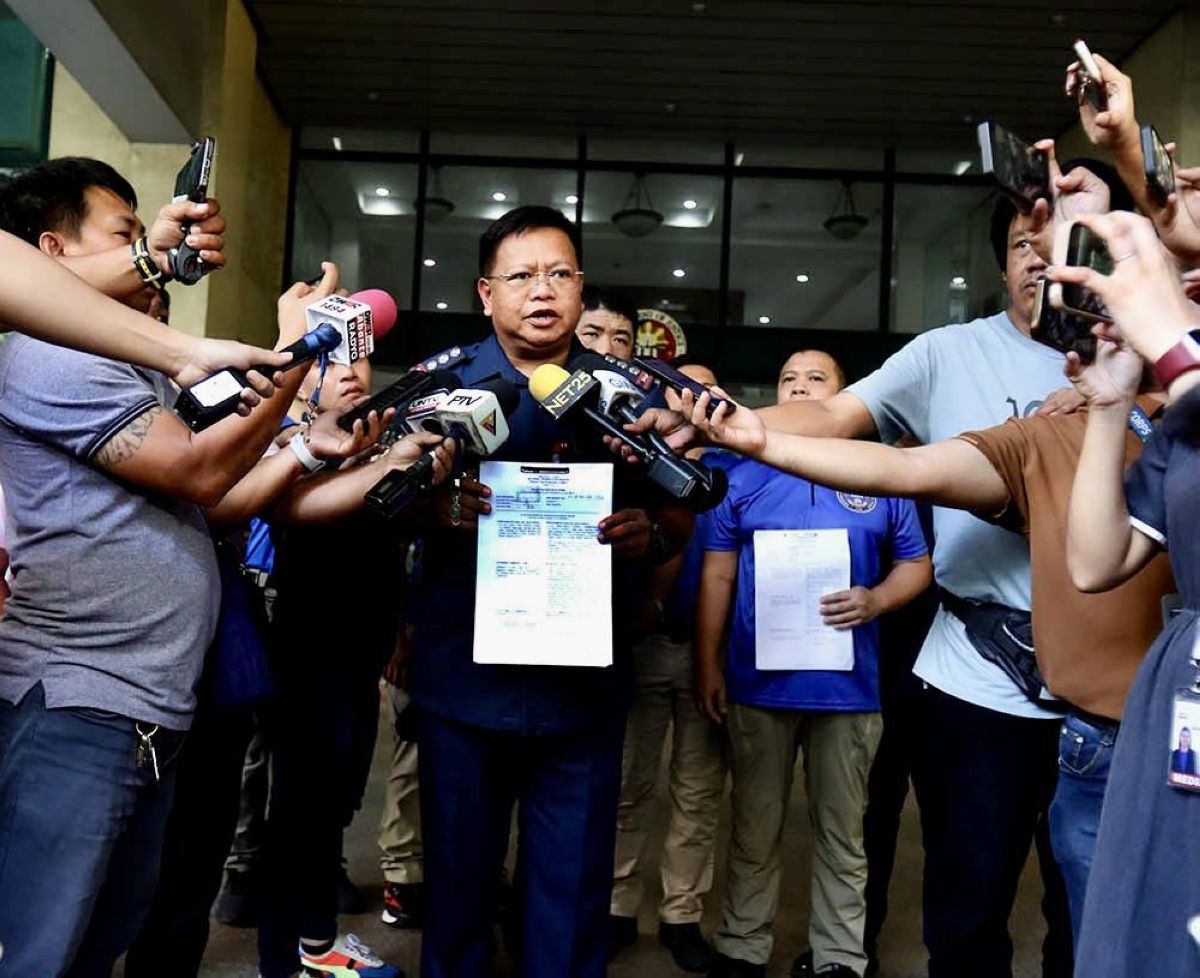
(192, 184)
(1091, 82)
(1075, 244)
(1022, 171)
(1158, 165)
(1060, 330)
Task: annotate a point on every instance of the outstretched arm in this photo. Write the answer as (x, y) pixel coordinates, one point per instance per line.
(948, 473)
(40, 297)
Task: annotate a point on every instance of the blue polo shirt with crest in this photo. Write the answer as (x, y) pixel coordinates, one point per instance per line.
(880, 531)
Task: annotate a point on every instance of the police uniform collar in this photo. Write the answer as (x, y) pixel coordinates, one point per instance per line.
(494, 360)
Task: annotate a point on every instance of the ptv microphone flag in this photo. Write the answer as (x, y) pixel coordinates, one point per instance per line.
(353, 319)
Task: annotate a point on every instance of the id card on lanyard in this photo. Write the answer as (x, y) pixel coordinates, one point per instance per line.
(1183, 766)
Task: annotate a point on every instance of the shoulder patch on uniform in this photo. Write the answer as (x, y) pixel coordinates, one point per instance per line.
(446, 359)
(856, 503)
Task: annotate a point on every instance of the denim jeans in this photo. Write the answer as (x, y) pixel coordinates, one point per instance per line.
(81, 829)
(1084, 755)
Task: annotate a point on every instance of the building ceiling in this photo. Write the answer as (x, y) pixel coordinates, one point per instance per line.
(911, 75)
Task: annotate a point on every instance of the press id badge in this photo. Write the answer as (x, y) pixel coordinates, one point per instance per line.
(1183, 766)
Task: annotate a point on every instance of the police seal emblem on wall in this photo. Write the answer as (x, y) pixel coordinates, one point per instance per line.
(658, 336)
(856, 503)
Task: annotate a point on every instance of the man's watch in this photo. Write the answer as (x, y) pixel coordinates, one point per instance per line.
(1182, 357)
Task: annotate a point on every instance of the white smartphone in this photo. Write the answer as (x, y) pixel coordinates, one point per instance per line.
(1090, 82)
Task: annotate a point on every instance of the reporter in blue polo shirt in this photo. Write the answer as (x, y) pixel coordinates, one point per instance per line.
(833, 716)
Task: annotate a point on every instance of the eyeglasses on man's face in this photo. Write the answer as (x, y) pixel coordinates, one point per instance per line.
(563, 279)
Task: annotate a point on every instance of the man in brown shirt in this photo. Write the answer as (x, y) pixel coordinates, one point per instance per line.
(1018, 475)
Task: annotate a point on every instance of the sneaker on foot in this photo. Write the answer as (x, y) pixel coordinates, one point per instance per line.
(402, 905)
(348, 958)
(238, 903)
(802, 967)
(350, 897)
(687, 945)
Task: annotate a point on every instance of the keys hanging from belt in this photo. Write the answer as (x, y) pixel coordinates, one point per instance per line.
(146, 755)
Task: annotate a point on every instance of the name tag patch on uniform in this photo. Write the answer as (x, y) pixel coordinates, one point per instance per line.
(856, 503)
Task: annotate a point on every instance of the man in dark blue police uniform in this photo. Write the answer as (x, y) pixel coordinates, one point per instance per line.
(491, 736)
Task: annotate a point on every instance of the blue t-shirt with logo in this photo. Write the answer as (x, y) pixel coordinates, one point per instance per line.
(880, 531)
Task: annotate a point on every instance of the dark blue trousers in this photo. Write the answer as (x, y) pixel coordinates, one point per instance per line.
(567, 786)
(81, 830)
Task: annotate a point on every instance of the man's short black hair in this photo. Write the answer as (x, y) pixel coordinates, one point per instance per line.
(531, 217)
(1120, 199)
(602, 297)
(50, 196)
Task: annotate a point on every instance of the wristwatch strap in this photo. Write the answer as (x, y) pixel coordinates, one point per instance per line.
(300, 450)
(146, 266)
(1182, 357)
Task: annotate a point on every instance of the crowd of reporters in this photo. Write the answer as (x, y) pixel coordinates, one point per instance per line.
(139, 654)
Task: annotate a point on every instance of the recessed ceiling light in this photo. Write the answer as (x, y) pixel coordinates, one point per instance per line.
(499, 196)
(572, 199)
(801, 278)
(372, 96)
(961, 167)
(430, 262)
(958, 281)
(765, 320)
(690, 205)
(381, 191)
(442, 305)
(679, 273)
(337, 143)
(699, 8)
(669, 106)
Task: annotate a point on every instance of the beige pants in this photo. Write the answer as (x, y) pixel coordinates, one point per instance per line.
(838, 750)
(400, 824)
(663, 699)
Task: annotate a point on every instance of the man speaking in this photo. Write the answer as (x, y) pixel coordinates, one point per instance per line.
(546, 737)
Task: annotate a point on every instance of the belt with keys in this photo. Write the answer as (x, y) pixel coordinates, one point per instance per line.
(146, 755)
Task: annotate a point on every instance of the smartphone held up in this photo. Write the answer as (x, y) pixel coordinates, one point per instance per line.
(1075, 244)
(192, 184)
(1022, 171)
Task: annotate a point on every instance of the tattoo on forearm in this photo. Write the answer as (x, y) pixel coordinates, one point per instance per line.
(129, 439)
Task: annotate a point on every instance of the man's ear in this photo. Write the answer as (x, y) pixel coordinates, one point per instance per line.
(52, 244)
(484, 288)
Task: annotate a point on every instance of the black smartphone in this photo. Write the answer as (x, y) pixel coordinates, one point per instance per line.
(1022, 171)
(192, 184)
(1159, 167)
(1076, 245)
(1060, 330)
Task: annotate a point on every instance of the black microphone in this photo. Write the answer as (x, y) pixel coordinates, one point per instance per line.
(609, 402)
(647, 373)
(405, 395)
(476, 418)
(216, 397)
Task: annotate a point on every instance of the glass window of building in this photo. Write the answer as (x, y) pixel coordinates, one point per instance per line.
(360, 215)
(655, 151)
(805, 254)
(462, 202)
(656, 237)
(943, 268)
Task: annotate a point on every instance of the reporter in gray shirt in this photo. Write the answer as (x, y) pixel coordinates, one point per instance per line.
(115, 589)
